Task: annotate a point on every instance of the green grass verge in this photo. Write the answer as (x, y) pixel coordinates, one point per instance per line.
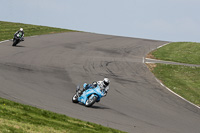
(183, 52)
(7, 30)
(15, 117)
(183, 80)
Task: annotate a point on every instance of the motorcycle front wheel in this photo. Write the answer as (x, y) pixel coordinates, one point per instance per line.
(91, 101)
(15, 42)
(75, 98)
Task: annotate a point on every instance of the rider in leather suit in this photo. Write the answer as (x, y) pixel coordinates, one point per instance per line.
(104, 86)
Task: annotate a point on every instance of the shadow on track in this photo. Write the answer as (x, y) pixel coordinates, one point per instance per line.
(19, 46)
(99, 107)
(93, 106)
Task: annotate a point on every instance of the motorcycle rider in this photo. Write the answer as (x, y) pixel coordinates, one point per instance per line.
(104, 86)
(20, 33)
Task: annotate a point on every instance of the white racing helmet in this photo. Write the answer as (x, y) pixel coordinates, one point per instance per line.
(106, 81)
(21, 29)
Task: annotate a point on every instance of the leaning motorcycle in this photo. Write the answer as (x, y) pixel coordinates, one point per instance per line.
(17, 39)
(88, 97)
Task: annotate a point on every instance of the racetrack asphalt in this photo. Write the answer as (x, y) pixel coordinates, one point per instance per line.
(43, 71)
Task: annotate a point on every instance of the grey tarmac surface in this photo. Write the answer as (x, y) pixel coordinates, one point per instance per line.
(43, 71)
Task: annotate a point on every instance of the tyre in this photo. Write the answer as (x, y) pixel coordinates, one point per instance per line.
(75, 98)
(15, 42)
(91, 101)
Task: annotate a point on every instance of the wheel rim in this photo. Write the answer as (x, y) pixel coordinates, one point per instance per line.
(89, 101)
(74, 97)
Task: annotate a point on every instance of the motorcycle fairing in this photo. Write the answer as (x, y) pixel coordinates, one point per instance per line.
(96, 92)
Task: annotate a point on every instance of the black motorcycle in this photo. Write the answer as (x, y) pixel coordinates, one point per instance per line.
(17, 39)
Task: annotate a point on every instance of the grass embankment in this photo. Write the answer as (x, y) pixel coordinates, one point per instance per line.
(183, 80)
(183, 52)
(15, 117)
(7, 30)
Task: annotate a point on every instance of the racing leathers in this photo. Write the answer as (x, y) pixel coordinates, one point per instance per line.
(103, 87)
(19, 34)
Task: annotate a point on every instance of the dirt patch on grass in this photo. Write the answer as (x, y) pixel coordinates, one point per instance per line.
(150, 55)
(151, 66)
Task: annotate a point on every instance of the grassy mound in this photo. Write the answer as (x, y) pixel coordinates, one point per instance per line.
(183, 80)
(183, 52)
(7, 30)
(15, 117)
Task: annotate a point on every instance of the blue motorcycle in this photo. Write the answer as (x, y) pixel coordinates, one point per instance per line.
(89, 96)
